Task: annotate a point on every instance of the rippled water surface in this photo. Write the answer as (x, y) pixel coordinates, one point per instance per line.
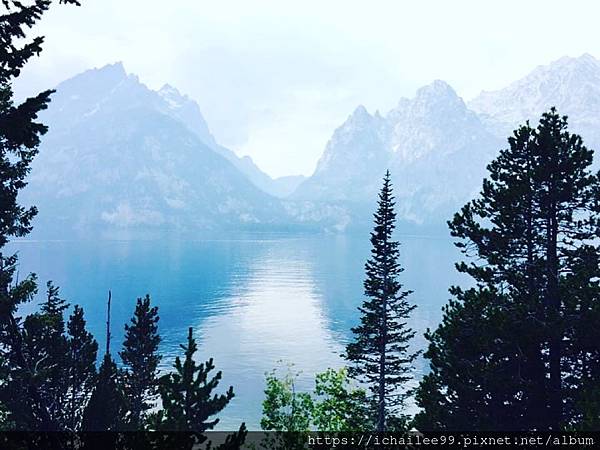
(251, 302)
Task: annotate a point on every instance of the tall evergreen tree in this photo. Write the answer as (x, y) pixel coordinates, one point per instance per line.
(188, 399)
(19, 138)
(82, 354)
(380, 353)
(501, 356)
(140, 358)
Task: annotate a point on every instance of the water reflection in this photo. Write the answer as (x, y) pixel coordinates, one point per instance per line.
(275, 314)
(252, 302)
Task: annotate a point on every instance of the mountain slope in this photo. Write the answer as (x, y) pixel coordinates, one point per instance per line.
(355, 152)
(570, 84)
(435, 147)
(117, 157)
(188, 112)
(439, 153)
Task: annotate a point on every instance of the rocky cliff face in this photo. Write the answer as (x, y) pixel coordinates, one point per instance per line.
(435, 147)
(572, 85)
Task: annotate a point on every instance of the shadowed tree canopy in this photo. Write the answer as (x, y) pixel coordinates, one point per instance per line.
(106, 407)
(189, 403)
(83, 350)
(19, 138)
(517, 352)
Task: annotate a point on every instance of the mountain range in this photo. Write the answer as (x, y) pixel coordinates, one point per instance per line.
(434, 146)
(572, 85)
(437, 146)
(122, 157)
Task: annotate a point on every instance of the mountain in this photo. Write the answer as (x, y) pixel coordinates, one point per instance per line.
(120, 158)
(352, 156)
(570, 84)
(440, 150)
(285, 186)
(437, 147)
(434, 146)
(187, 111)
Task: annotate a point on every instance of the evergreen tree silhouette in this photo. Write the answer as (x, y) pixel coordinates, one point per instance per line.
(380, 354)
(140, 358)
(19, 139)
(106, 408)
(45, 347)
(514, 352)
(189, 403)
(82, 354)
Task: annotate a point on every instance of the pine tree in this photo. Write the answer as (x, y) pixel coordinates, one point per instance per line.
(19, 139)
(45, 347)
(82, 354)
(6, 418)
(511, 353)
(106, 407)
(187, 394)
(141, 360)
(380, 354)
(188, 400)
(54, 306)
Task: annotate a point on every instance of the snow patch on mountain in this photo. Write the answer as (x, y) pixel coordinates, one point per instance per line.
(571, 84)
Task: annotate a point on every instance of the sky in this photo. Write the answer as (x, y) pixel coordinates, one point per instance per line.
(274, 78)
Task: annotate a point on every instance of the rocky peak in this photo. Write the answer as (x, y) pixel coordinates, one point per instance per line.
(572, 84)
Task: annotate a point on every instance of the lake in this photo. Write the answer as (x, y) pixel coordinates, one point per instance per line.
(255, 303)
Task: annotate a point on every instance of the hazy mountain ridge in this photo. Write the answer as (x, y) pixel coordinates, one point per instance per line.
(111, 81)
(355, 152)
(120, 156)
(571, 84)
(188, 112)
(435, 147)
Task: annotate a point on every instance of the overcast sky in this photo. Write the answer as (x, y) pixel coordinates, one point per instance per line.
(275, 78)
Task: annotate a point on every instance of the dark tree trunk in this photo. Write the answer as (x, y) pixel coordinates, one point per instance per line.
(536, 412)
(553, 323)
(381, 402)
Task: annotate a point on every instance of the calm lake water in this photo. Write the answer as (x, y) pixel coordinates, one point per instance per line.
(255, 303)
